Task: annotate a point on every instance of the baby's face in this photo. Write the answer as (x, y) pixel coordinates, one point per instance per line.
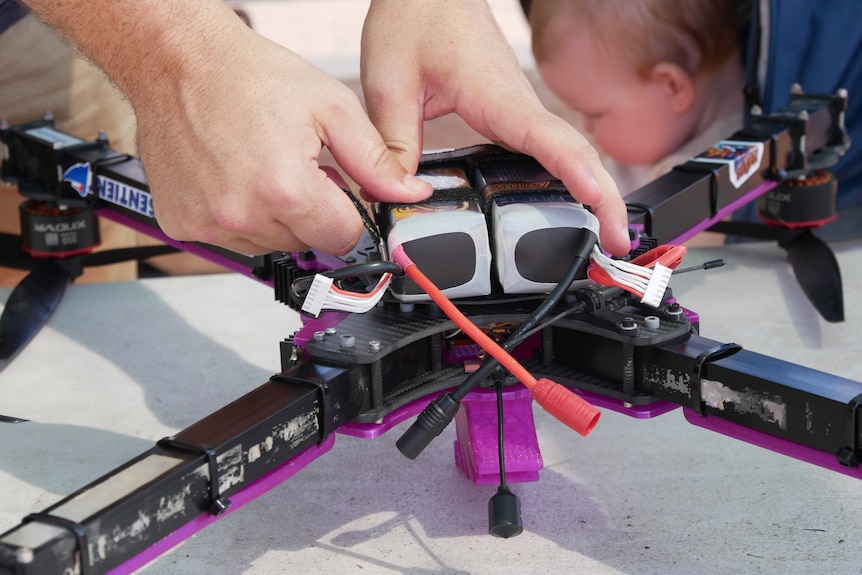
(629, 117)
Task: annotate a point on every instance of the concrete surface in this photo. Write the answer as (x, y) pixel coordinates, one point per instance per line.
(123, 365)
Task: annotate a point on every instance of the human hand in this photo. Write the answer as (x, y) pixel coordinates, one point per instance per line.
(231, 152)
(231, 125)
(427, 58)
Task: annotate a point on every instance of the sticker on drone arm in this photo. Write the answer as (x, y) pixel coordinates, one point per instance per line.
(126, 196)
(742, 158)
(80, 178)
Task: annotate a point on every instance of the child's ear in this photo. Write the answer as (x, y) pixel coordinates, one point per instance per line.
(676, 84)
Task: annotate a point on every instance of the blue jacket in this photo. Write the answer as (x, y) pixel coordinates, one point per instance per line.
(10, 12)
(818, 44)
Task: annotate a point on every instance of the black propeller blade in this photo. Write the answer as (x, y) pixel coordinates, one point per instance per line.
(33, 300)
(813, 262)
(10, 419)
(12, 255)
(817, 272)
(31, 303)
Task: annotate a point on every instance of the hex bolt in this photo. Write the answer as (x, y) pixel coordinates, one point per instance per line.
(628, 324)
(319, 335)
(374, 345)
(330, 331)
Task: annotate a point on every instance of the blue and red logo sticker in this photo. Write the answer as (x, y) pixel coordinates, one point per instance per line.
(80, 177)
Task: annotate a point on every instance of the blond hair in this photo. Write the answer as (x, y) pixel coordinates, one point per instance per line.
(698, 35)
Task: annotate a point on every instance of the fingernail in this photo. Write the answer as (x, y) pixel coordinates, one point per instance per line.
(625, 238)
(415, 185)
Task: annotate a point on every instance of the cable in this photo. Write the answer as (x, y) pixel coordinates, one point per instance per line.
(440, 412)
(646, 276)
(521, 333)
(301, 285)
(498, 385)
(504, 508)
(711, 264)
(320, 291)
(323, 294)
(365, 268)
(557, 400)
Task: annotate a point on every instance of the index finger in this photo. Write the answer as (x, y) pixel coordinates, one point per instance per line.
(566, 154)
(594, 187)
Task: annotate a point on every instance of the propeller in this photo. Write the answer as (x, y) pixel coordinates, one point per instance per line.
(791, 212)
(36, 297)
(817, 272)
(32, 302)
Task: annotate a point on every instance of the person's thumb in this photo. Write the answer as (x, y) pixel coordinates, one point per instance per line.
(383, 172)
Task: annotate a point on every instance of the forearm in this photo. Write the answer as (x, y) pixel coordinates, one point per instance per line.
(143, 44)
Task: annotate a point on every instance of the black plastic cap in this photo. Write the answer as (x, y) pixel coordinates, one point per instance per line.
(504, 514)
(430, 423)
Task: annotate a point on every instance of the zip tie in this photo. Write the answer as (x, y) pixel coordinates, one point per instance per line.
(218, 503)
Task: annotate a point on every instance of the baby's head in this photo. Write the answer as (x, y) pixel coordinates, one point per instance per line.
(636, 71)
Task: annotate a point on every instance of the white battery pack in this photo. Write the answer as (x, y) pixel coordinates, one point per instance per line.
(448, 242)
(534, 239)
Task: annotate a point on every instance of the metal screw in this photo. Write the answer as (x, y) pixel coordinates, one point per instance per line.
(374, 345)
(330, 331)
(346, 340)
(319, 335)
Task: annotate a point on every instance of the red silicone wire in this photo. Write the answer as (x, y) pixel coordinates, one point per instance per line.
(467, 326)
(556, 399)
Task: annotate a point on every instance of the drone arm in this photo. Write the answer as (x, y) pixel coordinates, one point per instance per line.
(806, 135)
